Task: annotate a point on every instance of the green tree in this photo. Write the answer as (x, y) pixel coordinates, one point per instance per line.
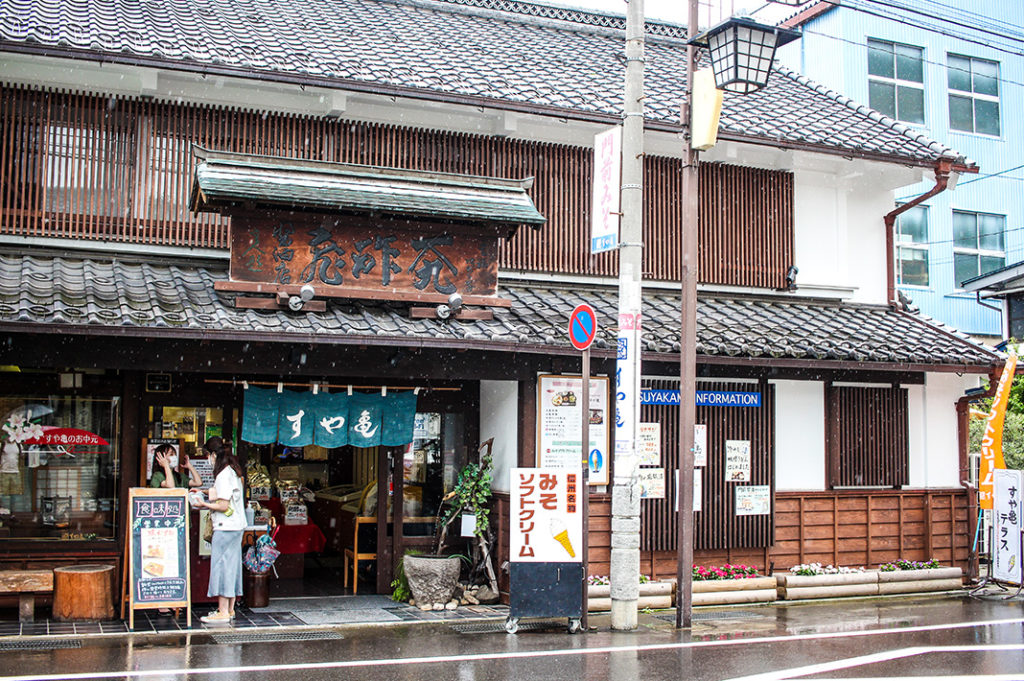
(1013, 437)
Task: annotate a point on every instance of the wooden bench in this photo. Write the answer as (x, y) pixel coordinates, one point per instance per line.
(27, 584)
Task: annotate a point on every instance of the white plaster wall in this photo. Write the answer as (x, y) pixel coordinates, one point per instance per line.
(499, 418)
(799, 435)
(840, 234)
(934, 457)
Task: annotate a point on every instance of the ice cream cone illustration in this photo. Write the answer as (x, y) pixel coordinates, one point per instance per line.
(561, 535)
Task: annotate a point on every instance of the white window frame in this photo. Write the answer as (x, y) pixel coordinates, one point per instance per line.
(897, 83)
(913, 246)
(972, 95)
(979, 251)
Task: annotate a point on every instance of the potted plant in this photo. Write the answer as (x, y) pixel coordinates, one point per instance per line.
(432, 579)
(814, 580)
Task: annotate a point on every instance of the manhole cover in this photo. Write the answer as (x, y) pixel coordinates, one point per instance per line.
(44, 644)
(275, 637)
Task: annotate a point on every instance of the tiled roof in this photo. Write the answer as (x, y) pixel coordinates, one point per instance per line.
(225, 178)
(499, 52)
(178, 299)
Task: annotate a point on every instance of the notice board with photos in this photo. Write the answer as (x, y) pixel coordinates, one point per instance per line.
(560, 425)
(157, 547)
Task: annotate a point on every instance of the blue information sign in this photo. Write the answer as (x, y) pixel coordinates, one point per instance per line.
(705, 398)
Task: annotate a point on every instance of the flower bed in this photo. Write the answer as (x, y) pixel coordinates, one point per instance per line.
(654, 595)
(816, 581)
(731, 584)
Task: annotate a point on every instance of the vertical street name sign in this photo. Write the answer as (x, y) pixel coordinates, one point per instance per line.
(605, 211)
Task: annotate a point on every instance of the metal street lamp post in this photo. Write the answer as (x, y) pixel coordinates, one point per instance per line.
(742, 52)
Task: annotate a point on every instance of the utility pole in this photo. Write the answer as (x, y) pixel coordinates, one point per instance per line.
(687, 342)
(625, 556)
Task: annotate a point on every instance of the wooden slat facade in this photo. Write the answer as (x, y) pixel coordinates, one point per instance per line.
(110, 168)
(823, 527)
(868, 437)
(716, 526)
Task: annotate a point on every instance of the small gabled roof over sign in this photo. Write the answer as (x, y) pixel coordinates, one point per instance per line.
(225, 180)
(998, 282)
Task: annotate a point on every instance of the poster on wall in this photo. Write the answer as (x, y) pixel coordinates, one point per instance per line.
(737, 460)
(205, 470)
(753, 500)
(150, 446)
(546, 516)
(652, 483)
(1006, 525)
(700, 445)
(698, 490)
(648, 444)
(559, 425)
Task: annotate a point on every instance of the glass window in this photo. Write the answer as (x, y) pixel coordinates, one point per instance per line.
(973, 95)
(977, 244)
(1015, 305)
(912, 247)
(59, 467)
(896, 80)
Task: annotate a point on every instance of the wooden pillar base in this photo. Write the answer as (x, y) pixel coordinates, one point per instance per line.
(83, 592)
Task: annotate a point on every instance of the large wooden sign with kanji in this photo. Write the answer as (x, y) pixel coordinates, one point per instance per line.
(362, 257)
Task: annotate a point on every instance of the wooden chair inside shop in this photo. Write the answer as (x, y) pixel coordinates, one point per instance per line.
(356, 552)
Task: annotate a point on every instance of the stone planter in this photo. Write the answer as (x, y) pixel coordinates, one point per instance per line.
(920, 581)
(798, 587)
(432, 579)
(725, 591)
(654, 595)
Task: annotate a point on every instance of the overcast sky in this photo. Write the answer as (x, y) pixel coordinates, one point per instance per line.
(711, 11)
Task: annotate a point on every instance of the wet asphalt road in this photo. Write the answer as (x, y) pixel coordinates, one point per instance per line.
(948, 637)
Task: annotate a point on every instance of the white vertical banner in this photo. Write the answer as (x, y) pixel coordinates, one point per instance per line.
(627, 376)
(605, 211)
(1006, 525)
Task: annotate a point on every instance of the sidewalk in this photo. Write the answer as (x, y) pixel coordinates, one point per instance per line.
(308, 612)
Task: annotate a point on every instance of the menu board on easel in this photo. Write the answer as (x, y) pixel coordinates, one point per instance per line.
(158, 551)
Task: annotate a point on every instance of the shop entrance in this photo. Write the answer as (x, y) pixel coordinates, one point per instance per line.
(327, 502)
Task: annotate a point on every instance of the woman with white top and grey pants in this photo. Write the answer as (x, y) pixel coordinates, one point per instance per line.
(228, 507)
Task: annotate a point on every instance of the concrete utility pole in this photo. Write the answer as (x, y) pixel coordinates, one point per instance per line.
(625, 557)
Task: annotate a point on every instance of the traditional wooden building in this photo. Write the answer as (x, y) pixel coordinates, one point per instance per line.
(172, 176)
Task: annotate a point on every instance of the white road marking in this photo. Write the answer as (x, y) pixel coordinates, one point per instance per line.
(483, 657)
(887, 656)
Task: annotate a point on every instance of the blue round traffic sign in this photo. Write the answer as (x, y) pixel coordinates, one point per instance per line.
(582, 326)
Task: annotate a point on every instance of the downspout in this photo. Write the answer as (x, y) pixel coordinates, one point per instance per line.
(963, 406)
(942, 170)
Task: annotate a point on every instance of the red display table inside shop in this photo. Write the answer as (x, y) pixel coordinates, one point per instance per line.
(294, 542)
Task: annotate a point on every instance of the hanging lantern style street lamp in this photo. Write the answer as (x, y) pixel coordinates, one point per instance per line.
(742, 51)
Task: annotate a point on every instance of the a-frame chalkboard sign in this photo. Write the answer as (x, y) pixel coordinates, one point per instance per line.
(157, 551)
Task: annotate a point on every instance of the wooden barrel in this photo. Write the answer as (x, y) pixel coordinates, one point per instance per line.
(83, 592)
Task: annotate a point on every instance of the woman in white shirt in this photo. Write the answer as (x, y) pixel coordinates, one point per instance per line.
(228, 508)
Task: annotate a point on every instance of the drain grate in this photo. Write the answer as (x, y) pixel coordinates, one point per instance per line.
(491, 627)
(44, 644)
(714, 615)
(276, 637)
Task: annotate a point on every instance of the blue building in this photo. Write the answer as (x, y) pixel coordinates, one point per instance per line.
(953, 70)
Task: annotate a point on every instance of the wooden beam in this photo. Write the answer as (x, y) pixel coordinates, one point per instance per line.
(431, 313)
(340, 294)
